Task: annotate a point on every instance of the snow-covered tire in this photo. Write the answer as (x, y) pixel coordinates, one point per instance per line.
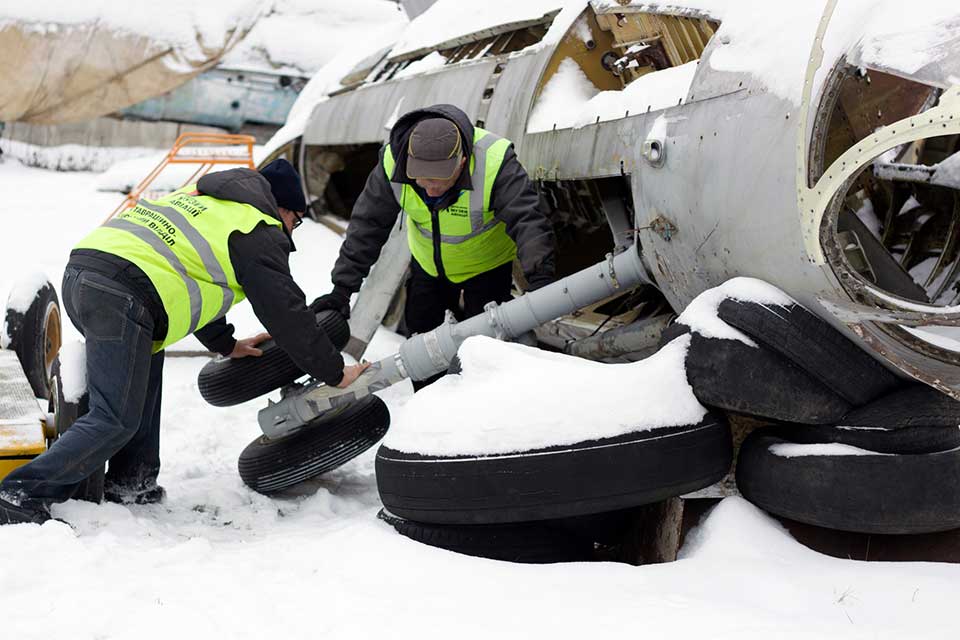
(875, 494)
(35, 335)
(593, 476)
(530, 542)
(271, 465)
(816, 347)
(65, 413)
(731, 375)
(225, 382)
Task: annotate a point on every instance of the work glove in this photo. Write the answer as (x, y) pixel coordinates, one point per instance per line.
(538, 280)
(338, 300)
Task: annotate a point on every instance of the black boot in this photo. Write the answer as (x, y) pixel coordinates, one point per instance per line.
(11, 513)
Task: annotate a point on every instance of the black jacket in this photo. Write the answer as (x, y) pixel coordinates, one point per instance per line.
(261, 263)
(513, 200)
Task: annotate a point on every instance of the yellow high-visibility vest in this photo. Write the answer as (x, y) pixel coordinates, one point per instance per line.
(472, 241)
(180, 243)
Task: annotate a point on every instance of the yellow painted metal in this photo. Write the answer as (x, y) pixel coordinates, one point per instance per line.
(9, 464)
(683, 38)
(573, 47)
(19, 443)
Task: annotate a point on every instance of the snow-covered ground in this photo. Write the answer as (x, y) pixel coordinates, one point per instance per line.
(217, 560)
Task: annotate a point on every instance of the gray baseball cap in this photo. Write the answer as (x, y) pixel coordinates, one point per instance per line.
(434, 150)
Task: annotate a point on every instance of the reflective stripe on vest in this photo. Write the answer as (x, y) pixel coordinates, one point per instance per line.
(492, 246)
(181, 243)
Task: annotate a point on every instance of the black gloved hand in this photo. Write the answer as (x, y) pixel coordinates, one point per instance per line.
(338, 300)
(538, 280)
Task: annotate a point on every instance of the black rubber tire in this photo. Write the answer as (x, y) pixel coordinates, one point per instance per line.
(555, 482)
(915, 405)
(815, 346)
(917, 419)
(35, 336)
(875, 494)
(65, 413)
(268, 466)
(225, 382)
(530, 543)
(756, 381)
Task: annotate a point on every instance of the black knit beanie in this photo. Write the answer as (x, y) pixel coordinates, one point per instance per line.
(285, 185)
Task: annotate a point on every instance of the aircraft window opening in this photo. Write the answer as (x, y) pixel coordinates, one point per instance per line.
(500, 44)
(334, 177)
(479, 46)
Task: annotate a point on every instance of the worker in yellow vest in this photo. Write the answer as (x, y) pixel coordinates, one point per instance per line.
(469, 210)
(160, 271)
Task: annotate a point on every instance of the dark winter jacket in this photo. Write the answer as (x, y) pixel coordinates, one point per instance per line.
(513, 200)
(260, 260)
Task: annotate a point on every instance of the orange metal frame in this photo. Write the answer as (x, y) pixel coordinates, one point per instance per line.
(206, 161)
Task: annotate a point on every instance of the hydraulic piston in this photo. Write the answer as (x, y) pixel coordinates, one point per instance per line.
(427, 354)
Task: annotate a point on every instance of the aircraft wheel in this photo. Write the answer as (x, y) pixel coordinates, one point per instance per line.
(593, 476)
(531, 543)
(270, 465)
(33, 330)
(850, 489)
(225, 382)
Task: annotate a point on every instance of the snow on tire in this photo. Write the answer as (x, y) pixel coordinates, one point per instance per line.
(529, 542)
(592, 476)
(842, 487)
(32, 329)
(225, 382)
(269, 465)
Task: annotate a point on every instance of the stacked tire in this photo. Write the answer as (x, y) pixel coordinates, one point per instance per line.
(801, 370)
(889, 467)
(468, 503)
(850, 446)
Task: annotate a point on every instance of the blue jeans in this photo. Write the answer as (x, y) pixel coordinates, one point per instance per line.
(124, 383)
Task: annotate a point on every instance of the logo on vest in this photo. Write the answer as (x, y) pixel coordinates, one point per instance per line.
(457, 210)
(189, 204)
(153, 221)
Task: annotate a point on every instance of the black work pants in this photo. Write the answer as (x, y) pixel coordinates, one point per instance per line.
(124, 383)
(429, 298)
